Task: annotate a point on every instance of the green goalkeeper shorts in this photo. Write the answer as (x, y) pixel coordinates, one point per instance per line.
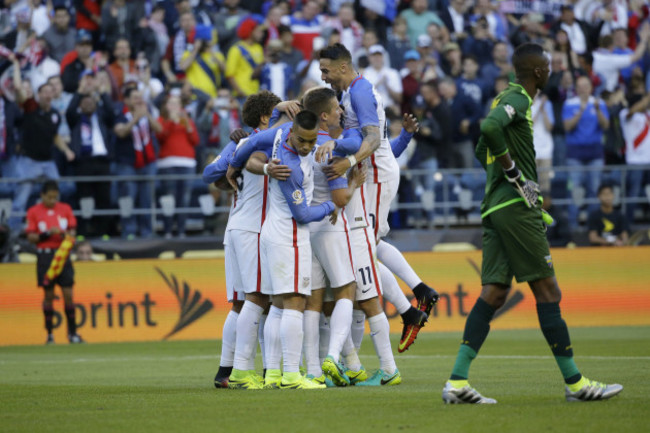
(514, 244)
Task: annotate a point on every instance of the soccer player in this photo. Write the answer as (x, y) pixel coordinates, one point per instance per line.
(514, 241)
(48, 222)
(364, 110)
(241, 242)
(285, 248)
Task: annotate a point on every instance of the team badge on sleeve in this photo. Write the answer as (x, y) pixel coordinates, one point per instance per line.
(510, 110)
(549, 261)
(297, 197)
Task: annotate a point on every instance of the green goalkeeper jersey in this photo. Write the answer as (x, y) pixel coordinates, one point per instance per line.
(507, 128)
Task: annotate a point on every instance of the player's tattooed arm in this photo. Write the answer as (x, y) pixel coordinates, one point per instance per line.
(371, 142)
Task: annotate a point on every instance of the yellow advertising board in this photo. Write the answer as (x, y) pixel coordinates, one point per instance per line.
(140, 300)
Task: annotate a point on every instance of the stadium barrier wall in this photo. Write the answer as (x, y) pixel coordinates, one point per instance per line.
(184, 299)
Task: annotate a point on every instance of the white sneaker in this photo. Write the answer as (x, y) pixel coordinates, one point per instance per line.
(466, 394)
(593, 390)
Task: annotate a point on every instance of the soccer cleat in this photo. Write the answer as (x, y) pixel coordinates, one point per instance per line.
(426, 297)
(272, 379)
(356, 376)
(414, 320)
(50, 339)
(465, 394)
(322, 379)
(220, 382)
(302, 382)
(335, 371)
(243, 380)
(75, 339)
(256, 376)
(592, 390)
(381, 378)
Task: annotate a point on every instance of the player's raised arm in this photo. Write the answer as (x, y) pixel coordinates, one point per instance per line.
(410, 126)
(217, 168)
(295, 196)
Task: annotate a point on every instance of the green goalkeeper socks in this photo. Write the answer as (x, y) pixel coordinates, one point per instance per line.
(477, 328)
(557, 336)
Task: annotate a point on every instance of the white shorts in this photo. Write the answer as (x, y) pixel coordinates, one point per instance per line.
(366, 272)
(285, 269)
(380, 196)
(331, 260)
(234, 283)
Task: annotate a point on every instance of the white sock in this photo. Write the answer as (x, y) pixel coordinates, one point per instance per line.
(272, 343)
(324, 337)
(392, 291)
(358, 328)
(291, 334)
(340, 324)
(247, 328)
(395, 261)
(379, 332)
(228, 339)
(260, 337)
(310, 343)
(350, 354)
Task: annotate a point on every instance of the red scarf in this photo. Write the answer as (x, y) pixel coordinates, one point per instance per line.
(142, 143)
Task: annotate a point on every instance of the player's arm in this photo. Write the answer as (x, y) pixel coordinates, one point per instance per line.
(492, 130)
(261, 142)
(259, 164)
(217, 169)
(295, 196)
(342, 189)
(410, 126)
(348, 145)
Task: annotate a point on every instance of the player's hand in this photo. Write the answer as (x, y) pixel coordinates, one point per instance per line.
(410, 123)
(334, 216)
(358, 176)
(324, 152)
(237, 135)
(527, 189)
(276, 171)
(337, 168)
(290, 108)
(231, 176)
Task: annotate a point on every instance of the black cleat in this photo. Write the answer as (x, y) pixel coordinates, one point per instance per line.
(414, 320)
(426, 297)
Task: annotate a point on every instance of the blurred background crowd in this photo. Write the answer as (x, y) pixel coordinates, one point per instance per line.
(110, 91)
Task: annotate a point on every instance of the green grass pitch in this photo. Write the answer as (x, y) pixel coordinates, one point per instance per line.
(167, 386)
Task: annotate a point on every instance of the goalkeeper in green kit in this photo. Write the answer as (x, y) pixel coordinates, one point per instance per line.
(514, 239)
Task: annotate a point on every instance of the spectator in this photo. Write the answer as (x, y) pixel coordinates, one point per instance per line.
(305, 26)
(220, 116)
(276, 76)
(465, 113)
(635, 123)
(136, 152)
(609, 64)
(456, 19)
(60, 37)
(417, 19)
(150, 86)
(500, 84)
(577, 31)
(90, 117)
(607, 226)
(42, 66)
(398, 43)
(543, 121)
(386, 80)
(411, 80)
(182, 41)
(452, 60)
(614, 143)
(497, 26)
(123, 67)
(469, 83)
(431, 68)
(84, 250)
(89, 18)
(145, 43)
(621, 46)
(559, 232)
(204, 65)
(39, 137)
(10, 117)
(273, 22)
(585, 119)
(500, 64)
(244, 60)
(361, 58)
(479, 44)
(40, 19)
(120, 20)
(570, 58)
(606, 16)
(75, 62)
(226, 22)
(289, 54)
(177, 139)
(157, 25)
(60, 102)
(348, 27)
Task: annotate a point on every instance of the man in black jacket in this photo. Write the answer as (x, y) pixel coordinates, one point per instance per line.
(90, 117)
(72, 71)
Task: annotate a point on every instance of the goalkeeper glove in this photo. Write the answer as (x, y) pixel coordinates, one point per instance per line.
(527, 189)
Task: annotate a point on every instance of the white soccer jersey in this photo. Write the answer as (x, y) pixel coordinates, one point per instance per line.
(355, 213)
(363, 107)
(636, 131)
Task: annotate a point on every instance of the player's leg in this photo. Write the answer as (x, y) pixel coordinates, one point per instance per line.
(260, 335)
(273, 344)
(578, 388)
(312, 316)
(340, 323)
(324, 328)
(358, 326)
(388, 374)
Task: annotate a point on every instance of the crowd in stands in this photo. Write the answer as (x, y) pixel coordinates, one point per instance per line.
(144, 87)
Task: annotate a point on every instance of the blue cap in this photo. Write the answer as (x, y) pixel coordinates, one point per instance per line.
(83, 36)
(411, 55)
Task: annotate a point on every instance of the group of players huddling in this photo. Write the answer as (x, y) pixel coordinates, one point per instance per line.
(313, 186)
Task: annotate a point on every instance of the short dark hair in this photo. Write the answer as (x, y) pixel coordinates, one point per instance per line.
(336, 52)
(282, 28)
(471, 57)
(49, 185)
(306, 120)
(525, 52)
(605, 185)
(258, 105)
(318, 100)
(127, 90)
(61, 7)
